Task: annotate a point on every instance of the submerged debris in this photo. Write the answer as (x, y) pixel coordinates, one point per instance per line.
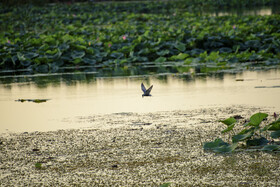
(33, 100)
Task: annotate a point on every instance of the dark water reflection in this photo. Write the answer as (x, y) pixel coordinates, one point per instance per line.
(85, 94)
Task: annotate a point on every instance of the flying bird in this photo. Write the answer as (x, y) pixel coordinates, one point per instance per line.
(146, 91)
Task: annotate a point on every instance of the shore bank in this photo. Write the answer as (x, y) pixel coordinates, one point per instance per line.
(136, 150)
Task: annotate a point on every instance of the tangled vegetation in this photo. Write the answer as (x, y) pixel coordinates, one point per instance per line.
(252, 134)
(125, 34)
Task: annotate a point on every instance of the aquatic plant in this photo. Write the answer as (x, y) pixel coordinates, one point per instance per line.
(45, 38)
(38, 165)
(32, 100)
(251, 135)
(165, 185)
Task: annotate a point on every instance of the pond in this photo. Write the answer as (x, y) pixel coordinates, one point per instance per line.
(76, 95)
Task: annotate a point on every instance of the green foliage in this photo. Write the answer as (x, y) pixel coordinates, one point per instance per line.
(165, 185)
(104, 35)
(275, 134)
(257, 118)
(216, 143)
(38, 165)
(230, 121)
(271, 148)
(250, 134)
(275, 126)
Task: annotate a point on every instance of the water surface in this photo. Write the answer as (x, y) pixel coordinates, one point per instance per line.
(88, 95)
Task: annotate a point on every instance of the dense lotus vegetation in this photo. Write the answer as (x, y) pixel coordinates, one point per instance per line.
(128, 34)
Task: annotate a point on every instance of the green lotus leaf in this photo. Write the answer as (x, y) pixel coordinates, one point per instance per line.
(163, 52)
(253, 43)
(165, 185)
(25, 63)
(180, 56)
(216, 143)
(225, 50)
(77, 54)
(271, 148)
(225, 148)
(160, 59)
(257, 118)
(257, 142)
(21, 56)
(228, 121)
(196, 51)
(117, 55)
(64, 47)
(89, 61)
(274, 126)
(30, 55)
(42, 68)
(76, 61)
(275, 134)
(230, 127)
(180, 46)
(241, 137)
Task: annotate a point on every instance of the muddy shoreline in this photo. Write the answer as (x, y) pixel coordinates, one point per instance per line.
(135, 150)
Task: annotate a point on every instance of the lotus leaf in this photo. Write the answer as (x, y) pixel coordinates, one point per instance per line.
(271, 148)
(274, 126)
(77, 54)
(160, 59)
(230, 127)
(25, 63)
(257, 142)
(216, 143)
(180, 46)
(241, 137)
(228, 121)
(70, 33)
(257, 118)
(225, 148)
(275, 134)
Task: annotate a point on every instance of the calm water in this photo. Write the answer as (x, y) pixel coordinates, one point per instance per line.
(87, 95)
(263, 11)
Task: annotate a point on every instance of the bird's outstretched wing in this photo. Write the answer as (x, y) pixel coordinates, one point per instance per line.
(143, 88)
(149, 90)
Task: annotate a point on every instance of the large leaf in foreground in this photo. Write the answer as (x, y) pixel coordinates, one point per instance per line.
(228, 121)
(275, 134)
(257, 142)
(216, 143)
(225, 148)
(274, 126)
(228, 129)
(271, 148)
(257, 118)
(241, 137)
